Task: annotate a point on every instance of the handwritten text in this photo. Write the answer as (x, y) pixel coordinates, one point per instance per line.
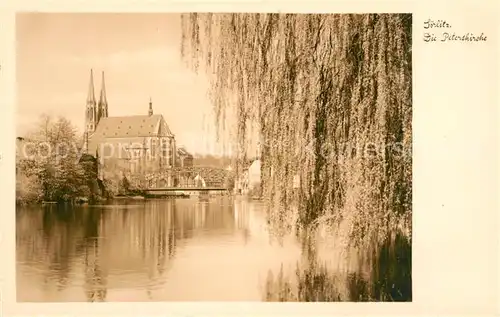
(439, 31)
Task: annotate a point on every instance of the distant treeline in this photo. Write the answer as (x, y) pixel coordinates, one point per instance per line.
(212, 161)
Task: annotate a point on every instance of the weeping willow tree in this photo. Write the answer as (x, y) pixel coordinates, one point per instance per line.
(331, 97)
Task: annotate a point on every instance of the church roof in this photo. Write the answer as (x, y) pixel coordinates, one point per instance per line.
(128, 127)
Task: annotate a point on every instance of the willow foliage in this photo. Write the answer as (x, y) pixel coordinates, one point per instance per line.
(331, 97)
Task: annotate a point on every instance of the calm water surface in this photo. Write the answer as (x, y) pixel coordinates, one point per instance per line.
(189, 250)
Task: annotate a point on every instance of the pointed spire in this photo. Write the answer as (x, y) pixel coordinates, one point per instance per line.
(90, 111)
(150, 107)
(103, 102)
(91, 94)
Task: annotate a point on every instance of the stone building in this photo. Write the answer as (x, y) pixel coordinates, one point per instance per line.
(128, 145)
(184, 158)
(250, 178)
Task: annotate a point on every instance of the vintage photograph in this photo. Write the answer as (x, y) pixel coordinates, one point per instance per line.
(258, 157)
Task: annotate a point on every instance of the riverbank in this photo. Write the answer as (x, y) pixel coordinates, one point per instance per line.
(121, 197)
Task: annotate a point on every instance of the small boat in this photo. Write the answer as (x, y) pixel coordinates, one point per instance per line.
(138, 197)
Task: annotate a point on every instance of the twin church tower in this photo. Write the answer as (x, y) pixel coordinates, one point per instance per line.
(95, 110)
(101, 128)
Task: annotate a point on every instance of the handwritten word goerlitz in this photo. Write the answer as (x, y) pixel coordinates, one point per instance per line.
(429, 24)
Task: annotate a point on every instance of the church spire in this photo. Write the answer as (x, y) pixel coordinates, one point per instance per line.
(150, 112)
(103, 102)
(91, 94)
(90, 109)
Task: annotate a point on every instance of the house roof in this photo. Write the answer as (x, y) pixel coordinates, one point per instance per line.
(183, 152)
(128, 127)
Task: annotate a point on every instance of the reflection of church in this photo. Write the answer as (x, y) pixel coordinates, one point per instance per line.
(138, 144)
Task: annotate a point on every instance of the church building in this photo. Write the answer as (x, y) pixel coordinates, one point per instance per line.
(132, 145)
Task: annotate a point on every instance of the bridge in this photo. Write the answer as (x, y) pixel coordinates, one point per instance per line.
(185, 191)
(189, 179)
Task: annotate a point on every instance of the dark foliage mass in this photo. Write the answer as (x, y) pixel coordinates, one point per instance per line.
(331, 97)
(50, 165)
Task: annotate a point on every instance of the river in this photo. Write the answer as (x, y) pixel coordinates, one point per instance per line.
(189, 250)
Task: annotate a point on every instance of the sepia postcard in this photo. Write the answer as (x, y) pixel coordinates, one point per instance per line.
(219, 161)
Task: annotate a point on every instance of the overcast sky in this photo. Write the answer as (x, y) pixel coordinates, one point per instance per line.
(140, 55)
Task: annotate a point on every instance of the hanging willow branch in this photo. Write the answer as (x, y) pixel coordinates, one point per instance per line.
(331, 97)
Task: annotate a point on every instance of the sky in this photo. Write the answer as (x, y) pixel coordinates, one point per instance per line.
(140, 56)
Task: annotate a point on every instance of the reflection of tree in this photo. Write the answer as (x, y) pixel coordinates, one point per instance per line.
(105, 242)
(392, 271)
(389, 278)
(95, 279)
(143, 237)
(59, 234)
(62, 230)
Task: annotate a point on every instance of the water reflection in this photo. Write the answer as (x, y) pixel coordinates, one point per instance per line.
(165, 250)
(384, 275)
